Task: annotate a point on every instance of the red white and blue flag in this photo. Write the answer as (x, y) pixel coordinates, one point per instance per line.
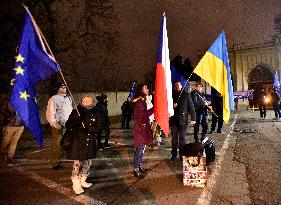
(163, 101)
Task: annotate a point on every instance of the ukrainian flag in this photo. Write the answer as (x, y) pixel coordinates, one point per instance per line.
(214, 69)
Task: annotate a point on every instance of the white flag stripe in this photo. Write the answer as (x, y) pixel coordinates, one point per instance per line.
(166, 65)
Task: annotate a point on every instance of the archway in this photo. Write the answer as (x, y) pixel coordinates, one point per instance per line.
(260, 77)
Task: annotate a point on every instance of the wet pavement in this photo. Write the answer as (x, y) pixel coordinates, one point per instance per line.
(246, 170)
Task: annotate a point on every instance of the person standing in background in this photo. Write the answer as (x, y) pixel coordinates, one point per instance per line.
(57, 113)
(12, 130)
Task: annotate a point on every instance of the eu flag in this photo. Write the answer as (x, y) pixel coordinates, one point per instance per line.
(132, 91)
(276, 82)
(177, 75)
(32, 64)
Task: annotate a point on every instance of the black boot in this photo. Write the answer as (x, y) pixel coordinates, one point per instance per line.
(143, 171)
(138, 174)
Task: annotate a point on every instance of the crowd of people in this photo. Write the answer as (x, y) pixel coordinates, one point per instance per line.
(86, 123)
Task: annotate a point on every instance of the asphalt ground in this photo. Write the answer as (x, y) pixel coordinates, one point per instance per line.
(237, 176)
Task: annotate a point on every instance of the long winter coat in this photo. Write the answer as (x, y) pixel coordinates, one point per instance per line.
(84, 142)
(141, 131)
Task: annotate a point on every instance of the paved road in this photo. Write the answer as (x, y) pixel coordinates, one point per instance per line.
(232, 178)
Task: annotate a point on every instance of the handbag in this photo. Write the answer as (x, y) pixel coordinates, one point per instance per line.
(66, 140)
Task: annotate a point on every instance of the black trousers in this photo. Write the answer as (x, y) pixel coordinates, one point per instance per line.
(126, 118)
(201, 119)
(179, 139)
(216, 119)
(106, 137)
(262, 109)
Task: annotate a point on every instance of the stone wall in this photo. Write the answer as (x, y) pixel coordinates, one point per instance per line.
(115, 100)
(244, 59)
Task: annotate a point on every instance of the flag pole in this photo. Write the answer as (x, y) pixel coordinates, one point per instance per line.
(196, 93)
(40, 34)
(184, 86)
(207, 105)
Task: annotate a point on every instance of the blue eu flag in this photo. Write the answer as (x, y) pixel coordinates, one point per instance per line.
(132, 91)
(32, 64)
(276, 82)
(176, 75)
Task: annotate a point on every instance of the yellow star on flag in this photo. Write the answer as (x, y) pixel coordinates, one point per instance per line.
(12, 82)
(19, 70)
(19, 58)
(24, 95)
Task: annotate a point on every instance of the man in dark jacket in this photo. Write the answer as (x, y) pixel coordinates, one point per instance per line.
(201, 109)
(104, 124)
(217, 106)
(126, 113)
(259, 98)
(182, 106)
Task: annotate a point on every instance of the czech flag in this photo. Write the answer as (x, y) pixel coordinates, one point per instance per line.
(163, 101)
(214, 69)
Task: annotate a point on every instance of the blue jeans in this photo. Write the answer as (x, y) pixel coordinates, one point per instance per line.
(138, 156)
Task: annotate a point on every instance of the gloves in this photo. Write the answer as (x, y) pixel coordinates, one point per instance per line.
(57, 126)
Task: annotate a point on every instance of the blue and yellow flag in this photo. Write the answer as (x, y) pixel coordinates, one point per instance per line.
(214, 69)
(32, 64)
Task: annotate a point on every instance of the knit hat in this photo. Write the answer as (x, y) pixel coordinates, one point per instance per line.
(103, 96)
(59, 85)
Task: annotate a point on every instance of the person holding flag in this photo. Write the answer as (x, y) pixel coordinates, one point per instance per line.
(182, 106)
(214, 69)
(201, 109)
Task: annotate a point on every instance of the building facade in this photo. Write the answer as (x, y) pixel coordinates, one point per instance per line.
(254, 66)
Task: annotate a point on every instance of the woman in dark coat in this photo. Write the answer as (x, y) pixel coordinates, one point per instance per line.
(141, 131)
(82, 129)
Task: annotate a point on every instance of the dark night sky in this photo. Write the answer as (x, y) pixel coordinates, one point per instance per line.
(192, 26)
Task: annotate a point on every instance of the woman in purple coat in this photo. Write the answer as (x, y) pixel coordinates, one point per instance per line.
(141, 131)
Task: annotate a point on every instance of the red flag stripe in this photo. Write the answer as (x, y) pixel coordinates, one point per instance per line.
(160, 100)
